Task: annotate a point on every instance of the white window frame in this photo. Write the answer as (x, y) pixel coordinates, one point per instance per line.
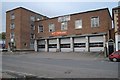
(39, 18)
(12, 26)
(12, 35)
(32, 26)
(12, 16)
(32, 18)
(64, 25)
(51, 27)
(78, 24)
(32, 35)
(40, 30)
(95, 21)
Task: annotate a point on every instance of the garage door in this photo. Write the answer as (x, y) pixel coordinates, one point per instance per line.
(65, 45)
(52, 45)
(79, 44)
(41, 45)
(96, 43)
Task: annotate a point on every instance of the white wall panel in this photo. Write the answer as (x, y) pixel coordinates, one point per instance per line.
(53, 41)
(65, 40)
(80, 40)
(96, 39)
(96, 49)
(41, 42)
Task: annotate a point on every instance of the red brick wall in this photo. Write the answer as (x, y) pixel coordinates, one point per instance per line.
(105, 24)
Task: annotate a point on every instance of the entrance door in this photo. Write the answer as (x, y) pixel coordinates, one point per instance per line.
(111, 47)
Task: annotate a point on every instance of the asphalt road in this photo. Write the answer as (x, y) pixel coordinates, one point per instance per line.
(42, 66)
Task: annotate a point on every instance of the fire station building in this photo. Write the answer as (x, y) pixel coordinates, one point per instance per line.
(84, 31)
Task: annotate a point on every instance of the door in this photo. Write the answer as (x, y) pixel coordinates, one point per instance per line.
(110, 47)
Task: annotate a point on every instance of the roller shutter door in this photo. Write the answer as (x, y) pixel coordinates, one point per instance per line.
(65, 45)
(41, 45)
(96, 43)
(79, 44)
(52, 45)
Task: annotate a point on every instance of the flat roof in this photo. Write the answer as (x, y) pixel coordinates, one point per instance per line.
(25, 9)
(80, 13)
(63, 15)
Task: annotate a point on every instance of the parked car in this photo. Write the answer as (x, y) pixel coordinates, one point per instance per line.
(115, 56)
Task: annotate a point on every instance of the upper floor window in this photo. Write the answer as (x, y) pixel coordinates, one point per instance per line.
(40, 28)
(51, 27)
(12, 35)
(78, 24)
(95, 22)
(64, 26)
(32, 27)
(12, 16)
(32, 18)
(39, 18)
(32, 36)
(116, 11)
(12, 26)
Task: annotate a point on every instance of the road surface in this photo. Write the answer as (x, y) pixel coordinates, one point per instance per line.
(59, 66)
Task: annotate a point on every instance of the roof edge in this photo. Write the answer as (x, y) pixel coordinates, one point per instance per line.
(25, 9)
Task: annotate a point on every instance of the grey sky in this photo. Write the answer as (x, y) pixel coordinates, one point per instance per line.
(52, 9)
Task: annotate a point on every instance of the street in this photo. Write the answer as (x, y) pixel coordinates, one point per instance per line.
(56, 65)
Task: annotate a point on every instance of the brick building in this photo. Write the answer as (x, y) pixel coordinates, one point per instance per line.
(116, 20)
(20, 28)
(85, 31)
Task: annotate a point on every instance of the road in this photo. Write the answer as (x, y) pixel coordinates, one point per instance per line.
(54, 67)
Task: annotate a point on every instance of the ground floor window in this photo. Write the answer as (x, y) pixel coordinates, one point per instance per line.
(96, 44)
(41, 46)
(79, 45)
(64, 45)
(52, 45)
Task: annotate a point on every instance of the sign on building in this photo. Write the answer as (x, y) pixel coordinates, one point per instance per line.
(59, 33)
(64, 18)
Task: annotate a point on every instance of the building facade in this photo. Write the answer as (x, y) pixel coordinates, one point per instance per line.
(20, 28)
(116, 20)
(85, 31)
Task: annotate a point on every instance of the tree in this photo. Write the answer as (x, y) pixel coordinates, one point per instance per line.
(3, 35)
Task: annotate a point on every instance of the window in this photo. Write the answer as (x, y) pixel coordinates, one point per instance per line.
(64, 45)
(41, 46)
(12, 35)
(40, 28)
(116, 11)
(32, 18)
(12, 26)
(52, 45)
(78, 24)
(39, 18)
(94, 21)
(32, 27)
(32, 36)
(51, 27)
(31, 42)
(97, 44)
(79, 45)
(12, 16)
(64, 26)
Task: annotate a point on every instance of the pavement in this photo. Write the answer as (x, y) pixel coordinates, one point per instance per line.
(63, 55)
(54, 64)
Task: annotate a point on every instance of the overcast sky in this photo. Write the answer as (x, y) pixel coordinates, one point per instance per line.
(52, 9)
